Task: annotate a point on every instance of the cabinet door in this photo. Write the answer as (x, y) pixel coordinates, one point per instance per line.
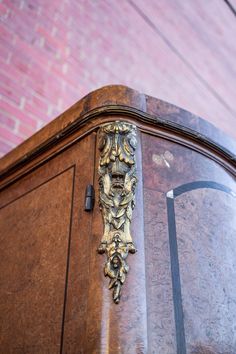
(44, 233)
(190, 226)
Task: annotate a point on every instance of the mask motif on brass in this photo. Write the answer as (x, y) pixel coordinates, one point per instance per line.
(117, 182)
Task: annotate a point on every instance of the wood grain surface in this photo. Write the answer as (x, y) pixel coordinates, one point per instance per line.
(45, 234)
(34, 239)
(205, 224)
(206, 248)
(160, 312)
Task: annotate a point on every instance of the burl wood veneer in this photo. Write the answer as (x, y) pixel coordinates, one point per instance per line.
(179, 294)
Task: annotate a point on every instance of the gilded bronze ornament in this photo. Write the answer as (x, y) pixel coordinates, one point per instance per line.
(117, 182)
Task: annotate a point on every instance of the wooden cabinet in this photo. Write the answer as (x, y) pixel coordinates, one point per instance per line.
(179, 292)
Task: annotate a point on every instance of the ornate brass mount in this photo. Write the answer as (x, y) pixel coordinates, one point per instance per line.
(117, 182)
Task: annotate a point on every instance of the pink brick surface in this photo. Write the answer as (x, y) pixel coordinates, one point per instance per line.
(52, 53)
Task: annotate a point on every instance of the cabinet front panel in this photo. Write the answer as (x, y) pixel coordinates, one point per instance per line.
(45, 235)
(35, 231)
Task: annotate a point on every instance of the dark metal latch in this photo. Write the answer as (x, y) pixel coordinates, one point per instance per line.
(89, 198)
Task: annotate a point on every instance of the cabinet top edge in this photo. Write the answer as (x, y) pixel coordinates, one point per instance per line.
(119, 99)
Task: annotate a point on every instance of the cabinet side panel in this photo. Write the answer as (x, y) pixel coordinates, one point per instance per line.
(35, 231)
(206, 248)
(200, 264)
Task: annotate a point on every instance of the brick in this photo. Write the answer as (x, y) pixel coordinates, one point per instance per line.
(7, 121)
(16, 113)
(4, 11)
(16, 77)
(36, 110)
(9, 92)
(5, 147)
(5, 53)
(40, 102)
(7, 135)
(21, 63)
(5, 33)
(25, 131)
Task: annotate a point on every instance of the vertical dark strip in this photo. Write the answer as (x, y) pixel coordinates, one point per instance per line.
(68, 262)
(176, 287)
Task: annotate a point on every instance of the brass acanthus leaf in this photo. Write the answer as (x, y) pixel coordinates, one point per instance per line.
(117, 182)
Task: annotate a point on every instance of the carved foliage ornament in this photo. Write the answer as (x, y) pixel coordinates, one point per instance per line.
(117, 182)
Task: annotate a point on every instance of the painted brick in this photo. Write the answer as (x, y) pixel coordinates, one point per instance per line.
(25, 131)
(18, 114)
(8, 135)
(53, 53)
(7, 121)
(5, 147)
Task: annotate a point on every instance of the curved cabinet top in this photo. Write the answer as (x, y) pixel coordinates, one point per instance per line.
(121, 101)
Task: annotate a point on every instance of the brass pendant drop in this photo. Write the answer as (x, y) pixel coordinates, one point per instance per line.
(117, 182)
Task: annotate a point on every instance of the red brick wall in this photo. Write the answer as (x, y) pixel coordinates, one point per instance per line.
(54, 52)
